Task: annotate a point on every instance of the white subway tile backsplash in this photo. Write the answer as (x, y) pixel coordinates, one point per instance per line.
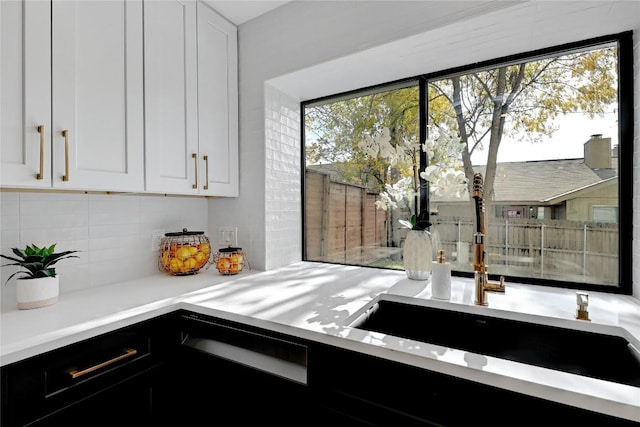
(35, 220)
(111, 232)
(47, 236)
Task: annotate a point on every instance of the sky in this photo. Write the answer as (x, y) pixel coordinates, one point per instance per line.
(566, 143)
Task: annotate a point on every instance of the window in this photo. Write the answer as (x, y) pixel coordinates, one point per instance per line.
(544, 129)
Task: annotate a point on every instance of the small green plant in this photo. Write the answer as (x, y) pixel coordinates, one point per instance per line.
(37, 262)
(420, 222)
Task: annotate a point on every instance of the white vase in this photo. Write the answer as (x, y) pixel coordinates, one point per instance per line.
(417, 255)
(36, 293)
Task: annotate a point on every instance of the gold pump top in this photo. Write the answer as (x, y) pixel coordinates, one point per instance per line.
(441, 256)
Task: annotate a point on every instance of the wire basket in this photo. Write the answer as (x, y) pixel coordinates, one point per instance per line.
(184, 253)
(230, 260)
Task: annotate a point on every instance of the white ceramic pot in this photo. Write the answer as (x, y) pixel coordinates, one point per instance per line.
(417, 255)
(36, 293)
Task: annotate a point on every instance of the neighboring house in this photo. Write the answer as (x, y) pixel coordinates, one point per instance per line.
(586, 190)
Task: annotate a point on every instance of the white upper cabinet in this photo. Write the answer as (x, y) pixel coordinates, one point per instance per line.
(191, 100)
(82, 78)
(25, 88)
(171, 104)
(98, 95)
(217, 102)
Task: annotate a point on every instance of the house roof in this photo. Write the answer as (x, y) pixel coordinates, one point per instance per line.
(540, 182)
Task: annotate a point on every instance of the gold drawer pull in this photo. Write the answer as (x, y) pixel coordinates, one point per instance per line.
(42, 138)
(206, 165)
(128, 352)
(65, 134)
(195, 157)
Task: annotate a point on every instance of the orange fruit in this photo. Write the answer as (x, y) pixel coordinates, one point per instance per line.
(192, 250)
(223, 264)
(165, 259)
(201, 259)
(190, 264)
(175, 265)
(183, 253)
(204, 248)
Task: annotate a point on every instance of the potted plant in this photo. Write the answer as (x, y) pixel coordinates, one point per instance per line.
(39, 286)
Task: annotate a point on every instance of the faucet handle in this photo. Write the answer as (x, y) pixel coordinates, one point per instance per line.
(582, 312)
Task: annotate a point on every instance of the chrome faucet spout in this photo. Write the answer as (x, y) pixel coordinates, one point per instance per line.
(482, 284)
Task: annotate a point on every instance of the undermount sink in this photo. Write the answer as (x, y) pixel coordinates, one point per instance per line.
(597, 355)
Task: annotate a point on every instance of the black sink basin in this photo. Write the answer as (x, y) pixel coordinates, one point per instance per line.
(595, 355)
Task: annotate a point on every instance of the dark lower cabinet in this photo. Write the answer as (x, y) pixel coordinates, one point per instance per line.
(366, 390)
(112, 379)
(195, 370)
(128, 403)
(232, 374)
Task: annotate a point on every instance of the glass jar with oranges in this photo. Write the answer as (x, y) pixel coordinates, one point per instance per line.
(230, 260)
(184, 253)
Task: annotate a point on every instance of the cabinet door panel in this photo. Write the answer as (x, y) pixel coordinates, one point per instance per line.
(97, 95)
(217, 102)
(25, 84)
(170, 96)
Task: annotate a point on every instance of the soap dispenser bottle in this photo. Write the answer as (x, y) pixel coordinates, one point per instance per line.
(441, 278)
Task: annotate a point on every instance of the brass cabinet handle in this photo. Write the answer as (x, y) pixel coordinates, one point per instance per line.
(195, 156)
(40, 174)
(65, 134)
(128, 352)
(206, 172)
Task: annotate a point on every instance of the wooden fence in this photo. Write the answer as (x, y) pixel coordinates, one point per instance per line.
(562, 250)
(342, 225)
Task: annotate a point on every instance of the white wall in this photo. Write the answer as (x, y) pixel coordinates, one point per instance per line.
(308, 49)
(112, 233)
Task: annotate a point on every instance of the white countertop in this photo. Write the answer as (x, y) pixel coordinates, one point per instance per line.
(315, 301)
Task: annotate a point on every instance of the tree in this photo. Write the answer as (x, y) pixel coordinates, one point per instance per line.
(476, 110)
(522, 99)
(334, 130)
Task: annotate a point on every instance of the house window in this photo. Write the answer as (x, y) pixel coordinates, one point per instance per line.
(544, 129)
(607, 214)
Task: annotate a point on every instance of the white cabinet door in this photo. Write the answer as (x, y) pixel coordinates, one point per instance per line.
(25, 88)
(97, 69)
(217, 103)
(171, 105)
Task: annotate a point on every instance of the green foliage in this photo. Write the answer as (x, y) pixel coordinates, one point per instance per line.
(519, 100)
(37, 262)
(333, 131)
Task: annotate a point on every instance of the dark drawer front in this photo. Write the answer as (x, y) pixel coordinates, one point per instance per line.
(266, 351)
(41, 385)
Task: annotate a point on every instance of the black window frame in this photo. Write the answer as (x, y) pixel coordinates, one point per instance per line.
(625, 147)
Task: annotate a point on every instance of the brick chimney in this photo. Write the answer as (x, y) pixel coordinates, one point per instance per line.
(597, 152)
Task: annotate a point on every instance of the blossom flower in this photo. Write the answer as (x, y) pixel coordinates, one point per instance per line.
(446, 177)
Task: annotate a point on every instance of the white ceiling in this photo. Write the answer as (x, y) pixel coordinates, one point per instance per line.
(241, 11)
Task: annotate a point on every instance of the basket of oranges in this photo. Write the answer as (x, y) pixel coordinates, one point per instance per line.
(184, 253)
(230, 260)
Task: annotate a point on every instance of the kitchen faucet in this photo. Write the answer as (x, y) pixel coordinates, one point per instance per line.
(479, 260)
